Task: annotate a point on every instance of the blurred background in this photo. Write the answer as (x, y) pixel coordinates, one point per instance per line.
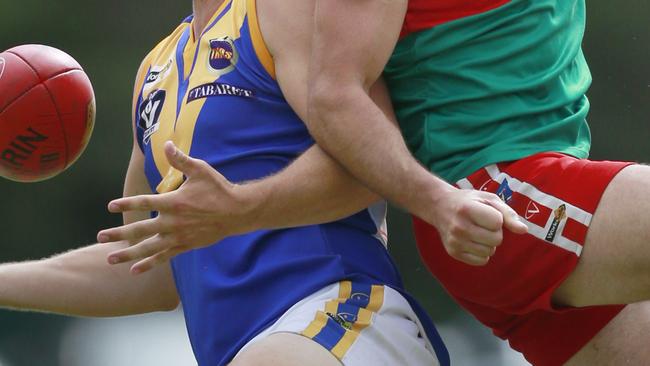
(109, 38)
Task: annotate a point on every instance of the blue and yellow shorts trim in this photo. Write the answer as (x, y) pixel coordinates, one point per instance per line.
(344, 318)
(363, 324)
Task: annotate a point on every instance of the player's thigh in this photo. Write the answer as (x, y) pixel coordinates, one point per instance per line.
(285, 349)
(614, 267)
(622, 342)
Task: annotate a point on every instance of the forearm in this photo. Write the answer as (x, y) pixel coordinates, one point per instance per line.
(344, 119)
(349, 126)
(82, 283)
(313, 189)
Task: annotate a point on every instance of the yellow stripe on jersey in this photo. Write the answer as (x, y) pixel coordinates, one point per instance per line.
(226, 22)
(261, 50)
(229, 25)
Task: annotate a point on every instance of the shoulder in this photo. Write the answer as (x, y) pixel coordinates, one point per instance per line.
(286, 25)
(165, 46)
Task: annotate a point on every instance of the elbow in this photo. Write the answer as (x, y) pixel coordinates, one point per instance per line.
(331, 104)
(168, 302)
(329, 97)
(170, 305)
(322, 98)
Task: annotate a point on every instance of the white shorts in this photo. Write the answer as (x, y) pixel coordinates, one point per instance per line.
(359, 324)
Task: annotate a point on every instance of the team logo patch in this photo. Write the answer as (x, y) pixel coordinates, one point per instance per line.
(149, 114)
(218, 89)
(223, 55)
(2, 66)
(157, 74)
(560, 214)
(504, 192)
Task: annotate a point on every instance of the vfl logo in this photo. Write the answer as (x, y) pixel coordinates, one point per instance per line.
(157, 74)
(2, 66)
(560, 214)
(223, 55)
(149, 114)
(504, 192)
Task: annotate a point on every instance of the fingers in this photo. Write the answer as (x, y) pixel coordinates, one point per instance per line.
(485, 216)
(510, 218)
(157, 259)
(485, 237)
(144, 249)
(470, 252)
(147, 202)
(479, 250)
(472, 259)
(477, 228)
(514, 224)
(132, 233)
(179, 160)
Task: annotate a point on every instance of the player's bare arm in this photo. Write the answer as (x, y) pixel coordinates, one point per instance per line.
(299, 195)
(81, 283)
(349, 126)
(206, 208)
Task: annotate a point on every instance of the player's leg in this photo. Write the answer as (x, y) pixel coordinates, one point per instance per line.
(285, 349)
(622, 342)
(614, 267)
(557, 196)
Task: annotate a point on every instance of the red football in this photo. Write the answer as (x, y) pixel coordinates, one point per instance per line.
(47, 112)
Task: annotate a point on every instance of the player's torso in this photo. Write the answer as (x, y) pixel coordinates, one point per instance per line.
(504, 80)
(217, 99)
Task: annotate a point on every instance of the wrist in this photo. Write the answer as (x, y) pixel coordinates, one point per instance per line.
(428, 196)
(250, 199)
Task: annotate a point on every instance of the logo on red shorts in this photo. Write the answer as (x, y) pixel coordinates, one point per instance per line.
(2, 66)
(531, 210)
(560, 214)
(504, 192)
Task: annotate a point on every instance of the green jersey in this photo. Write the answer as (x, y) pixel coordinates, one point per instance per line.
(497, 86)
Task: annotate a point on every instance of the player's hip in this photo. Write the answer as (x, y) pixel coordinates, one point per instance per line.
(363, 324)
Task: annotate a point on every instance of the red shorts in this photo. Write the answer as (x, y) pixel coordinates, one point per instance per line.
(556, 196)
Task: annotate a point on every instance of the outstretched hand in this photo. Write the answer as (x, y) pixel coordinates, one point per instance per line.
(202, 211)
(471, 224)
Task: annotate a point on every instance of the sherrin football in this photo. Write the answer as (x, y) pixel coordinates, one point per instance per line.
(47, 112)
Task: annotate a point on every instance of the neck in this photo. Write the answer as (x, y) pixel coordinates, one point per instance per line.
(203, 12)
